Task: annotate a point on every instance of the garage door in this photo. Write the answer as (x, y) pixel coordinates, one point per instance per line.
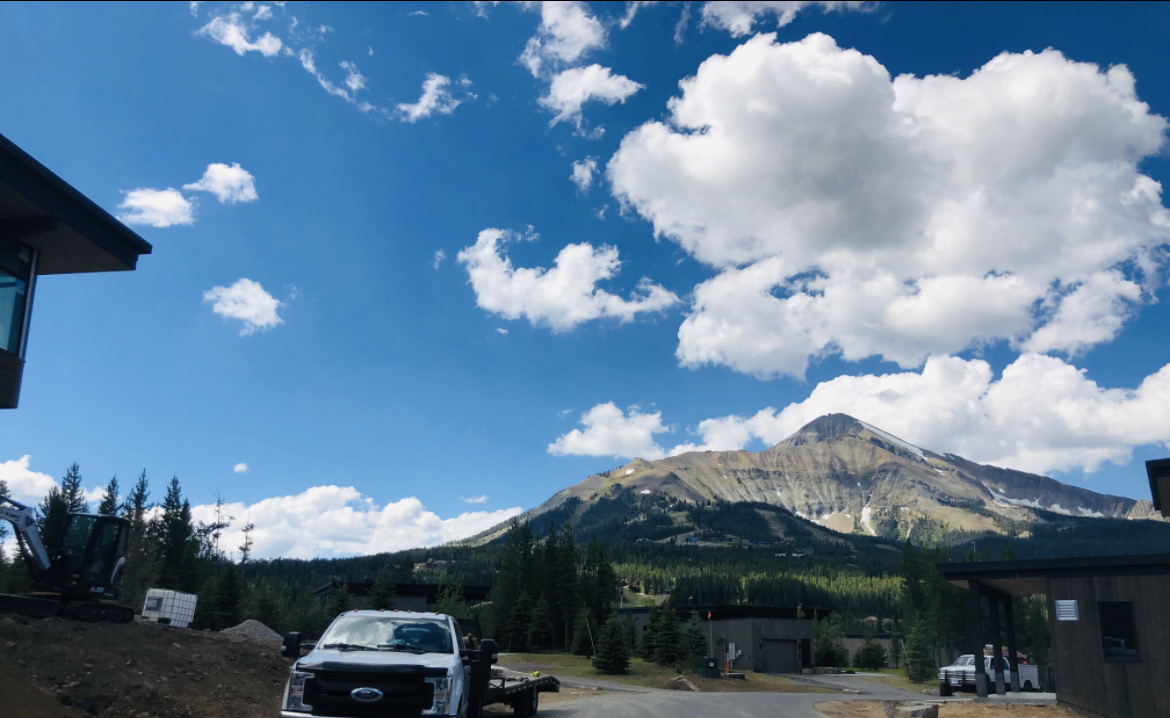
(780, 656)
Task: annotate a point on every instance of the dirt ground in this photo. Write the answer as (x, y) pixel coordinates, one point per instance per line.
(876, 709)
(57, 668)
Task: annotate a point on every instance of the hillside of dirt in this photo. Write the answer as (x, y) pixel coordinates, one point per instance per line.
(58, 668)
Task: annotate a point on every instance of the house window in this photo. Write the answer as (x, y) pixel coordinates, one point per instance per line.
(1118, 631)
(15, 273)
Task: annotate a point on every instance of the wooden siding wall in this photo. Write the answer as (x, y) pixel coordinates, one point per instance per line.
(1084, 679)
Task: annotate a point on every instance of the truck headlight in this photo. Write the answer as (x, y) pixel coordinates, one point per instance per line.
(442, 688)
(294, 699)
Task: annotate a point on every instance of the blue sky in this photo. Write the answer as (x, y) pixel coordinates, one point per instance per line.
(418, 267)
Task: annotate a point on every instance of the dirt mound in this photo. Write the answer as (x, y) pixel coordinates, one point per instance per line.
(58, 668)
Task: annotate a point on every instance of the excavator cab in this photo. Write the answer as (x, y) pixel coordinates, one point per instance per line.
(88, 564)
(83, 578)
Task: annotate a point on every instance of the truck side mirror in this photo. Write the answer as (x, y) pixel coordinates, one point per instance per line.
(489, 650)
(292, 645)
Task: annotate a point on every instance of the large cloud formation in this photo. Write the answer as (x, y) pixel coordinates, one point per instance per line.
(327, 521)
(335, 521)
(561, 297)
(1041, 415)
(851, 213)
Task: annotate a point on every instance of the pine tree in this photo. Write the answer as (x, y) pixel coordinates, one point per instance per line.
(404, 572)
(693, 638)
(584, 629)
(229, 595)
(72, 492)
(215, 529)
(52, 518)
(451, 602)
(667, 642)
(381, 595)
(871, 655)
(339, 602)
(263, 605)
(540, 635)
(565, 582)
(650, 636)
(829, 643)
(142, 550)
(919, 666)
(179, 545)
(207, 615)
(511, 599)
(246, 547)
(613, 649)
(109, 504)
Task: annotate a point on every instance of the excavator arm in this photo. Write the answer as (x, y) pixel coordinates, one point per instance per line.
(28, 536)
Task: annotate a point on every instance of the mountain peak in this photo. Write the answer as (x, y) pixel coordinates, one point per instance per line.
(838, 427)
(830, 426)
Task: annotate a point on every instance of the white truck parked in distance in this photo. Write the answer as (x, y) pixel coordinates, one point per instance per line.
(960, 676)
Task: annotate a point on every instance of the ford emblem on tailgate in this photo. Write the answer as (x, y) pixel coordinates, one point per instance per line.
(366, 695)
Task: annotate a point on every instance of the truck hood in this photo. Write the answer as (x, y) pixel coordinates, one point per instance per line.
(332, 659)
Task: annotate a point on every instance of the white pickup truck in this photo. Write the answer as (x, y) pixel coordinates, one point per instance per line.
(961, 675)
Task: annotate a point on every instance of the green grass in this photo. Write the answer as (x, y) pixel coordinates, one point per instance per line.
(645, 674)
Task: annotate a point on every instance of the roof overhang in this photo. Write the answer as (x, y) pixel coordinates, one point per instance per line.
(71, 233)
(1159, 472)
(1023, 578)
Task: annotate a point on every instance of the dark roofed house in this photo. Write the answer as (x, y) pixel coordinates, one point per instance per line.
(46, 227)
(768, 639)
(1109, 618)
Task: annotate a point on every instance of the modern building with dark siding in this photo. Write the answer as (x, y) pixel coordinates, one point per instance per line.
(46, 227)
(1109, 618)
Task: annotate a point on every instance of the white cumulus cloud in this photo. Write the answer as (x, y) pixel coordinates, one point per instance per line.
(572, 88)
(482, 499)
(230, 184)
(561, 297)
(230, 31)
(851, 213)
(583, 171)
(25, 485)
(437, 97)
(738, 17)
(567, 32)
(336, 521)
(247, 301)
(240, 468)
(156, 207)
(1042, 415)
(609, 431)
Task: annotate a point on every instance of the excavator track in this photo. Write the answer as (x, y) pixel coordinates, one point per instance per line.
(29, 605)
(97, 612)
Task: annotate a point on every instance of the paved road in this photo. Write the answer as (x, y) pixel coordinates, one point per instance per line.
(621, 701)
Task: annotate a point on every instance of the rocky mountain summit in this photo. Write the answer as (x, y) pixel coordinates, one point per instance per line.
(849, 476)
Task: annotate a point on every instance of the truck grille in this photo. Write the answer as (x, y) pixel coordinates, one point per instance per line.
(402, 695)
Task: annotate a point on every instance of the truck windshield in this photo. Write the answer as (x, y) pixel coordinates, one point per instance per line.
(358, 632)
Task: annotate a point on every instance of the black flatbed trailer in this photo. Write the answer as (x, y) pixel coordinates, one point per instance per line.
(519, 691)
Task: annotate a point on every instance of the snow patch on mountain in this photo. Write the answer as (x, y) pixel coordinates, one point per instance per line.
(1002, 500)
(866, 513)
(893, 439)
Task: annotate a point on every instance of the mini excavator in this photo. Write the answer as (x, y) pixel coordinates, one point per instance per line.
(83, 579)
